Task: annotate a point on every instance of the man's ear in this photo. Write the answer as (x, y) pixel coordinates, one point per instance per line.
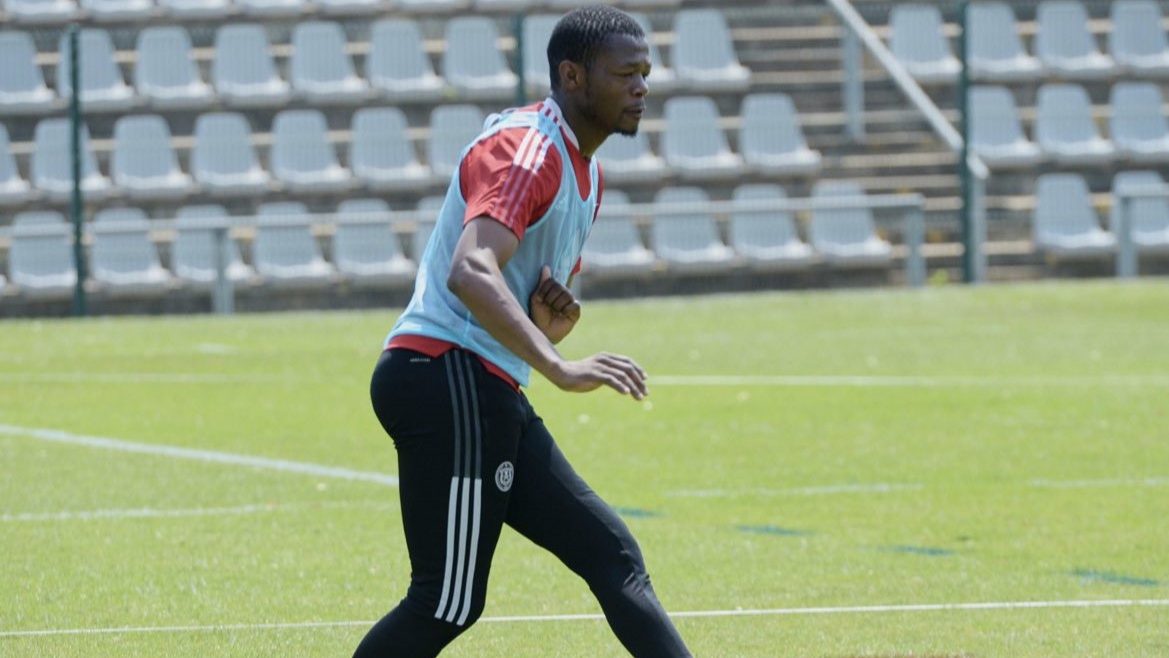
(572, 75)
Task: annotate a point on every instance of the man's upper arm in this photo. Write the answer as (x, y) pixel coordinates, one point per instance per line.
(512, 177)
(485, 237)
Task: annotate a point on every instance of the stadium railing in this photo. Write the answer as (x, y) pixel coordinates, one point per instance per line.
(1127, 256)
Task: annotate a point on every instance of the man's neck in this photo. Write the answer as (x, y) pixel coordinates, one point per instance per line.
(588, 138)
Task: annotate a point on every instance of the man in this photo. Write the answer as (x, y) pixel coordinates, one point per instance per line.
(490, 302)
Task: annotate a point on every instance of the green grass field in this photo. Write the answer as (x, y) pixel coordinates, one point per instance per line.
(817, 474)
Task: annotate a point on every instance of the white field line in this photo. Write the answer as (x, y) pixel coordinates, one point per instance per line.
(138, 378)
(175, 452)
(905, 381)
(162, 513)
(516, 619)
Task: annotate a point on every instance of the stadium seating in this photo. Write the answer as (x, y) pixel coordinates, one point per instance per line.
(918, 42)
(350, 7)
(1138, 44)
(704, 56)
(13, 188)
(1064, 43)
(272, 8)
(302, 157)
(1065, 223)
(40, 258)
(166, 75)
(381, 154)
(365, 248)
(1139, 126)
(52, 167)
(771, 138)
(397, 65)
(537, 30)
(615, 245)
(472, 61)
(144, 165)
(118, 10)
(504, 5)
(41, 11)
(194, 249)
(285, 251)
(452, 127)
(124, 258)
(996, 50)
(223, 160)
(687, 241)
(1065, 129)
(427, 6)
(629, 159)
(846, 236)
(1150, 216)
(767, 239)
(321, 71)
(102, 85)
(996, 133)
(243, 71)
(694, 144)
(22, 87)
(427, 211)
(197, 9)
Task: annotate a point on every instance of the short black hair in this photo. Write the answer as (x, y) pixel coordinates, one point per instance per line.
(579, 35)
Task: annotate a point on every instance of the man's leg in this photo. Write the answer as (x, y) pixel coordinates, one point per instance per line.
(552, 506)
(451, 422)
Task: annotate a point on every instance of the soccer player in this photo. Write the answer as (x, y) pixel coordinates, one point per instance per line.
(490, 302)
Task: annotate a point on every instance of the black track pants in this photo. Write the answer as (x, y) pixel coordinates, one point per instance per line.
(473, 455)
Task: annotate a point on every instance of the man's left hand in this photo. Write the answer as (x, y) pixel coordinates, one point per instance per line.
(554, 309)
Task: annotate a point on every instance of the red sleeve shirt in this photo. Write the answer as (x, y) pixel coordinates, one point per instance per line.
(513, 176)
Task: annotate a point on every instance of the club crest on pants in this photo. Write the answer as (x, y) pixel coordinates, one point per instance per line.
(504, 475)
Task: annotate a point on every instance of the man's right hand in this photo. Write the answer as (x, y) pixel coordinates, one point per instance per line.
(619, 373)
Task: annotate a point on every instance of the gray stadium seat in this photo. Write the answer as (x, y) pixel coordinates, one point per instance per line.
(646, 4)
(996, 51)
(768, 238)
(1064, 43)
(197, 8)
(13, 188)
(473, 63)
(996, 134)
(52, 168)
(285, 249)
(272, 8)
(365, 246)
(1065, 128)
(846, 236)
(397, 64)
(629, 159)
(321, 70)
(537, 30)
(771, 138)
(124, 258)
(615, 245)
(350, 7)
(243, 70)
(918, 42)
(452, 127)
(40, 257)
(118, 10)
(1150, 216)
(22, 87)
(302, 157)
(504, 5)
(1138, 43)
(143, 163)
(41, 11)
(222, 159)
(704, 56)
(194, 249)
(381, 154)
(102, 86)
(424, 6)
(693, 143)
(688, 241)
(166, 75)
(427, 211)
(1065, 222)
(1140, 129)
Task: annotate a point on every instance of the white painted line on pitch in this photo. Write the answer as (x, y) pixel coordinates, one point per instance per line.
(139, 378)
(907, 381)
(826, 490)
(176, 452)
(514, 619)
(162, 513)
